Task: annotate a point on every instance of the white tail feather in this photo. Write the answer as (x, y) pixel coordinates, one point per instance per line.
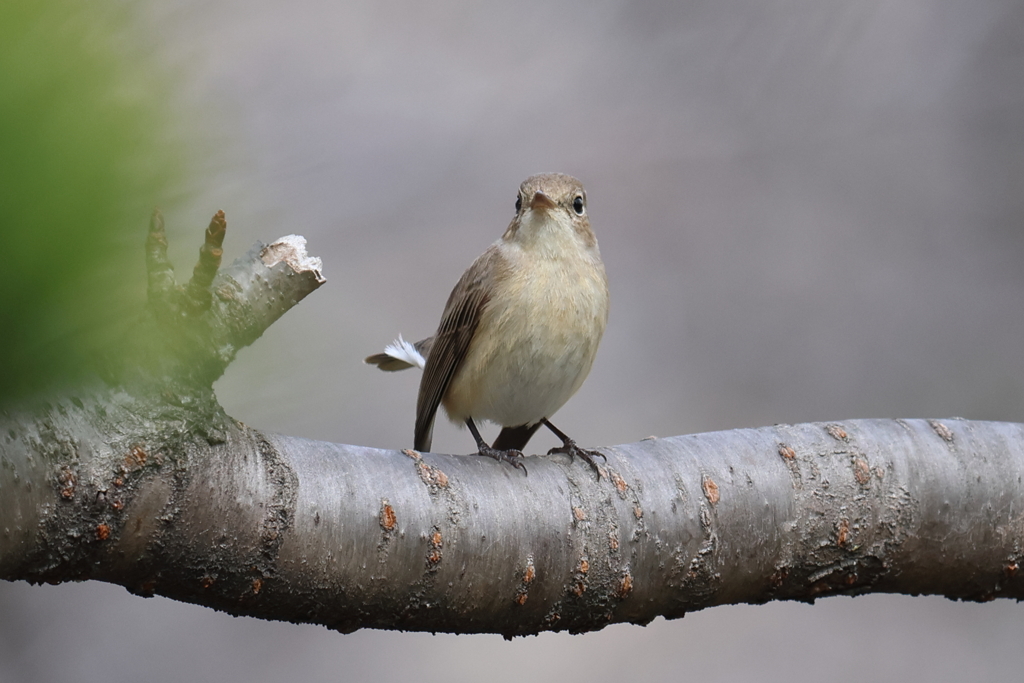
(406, 352)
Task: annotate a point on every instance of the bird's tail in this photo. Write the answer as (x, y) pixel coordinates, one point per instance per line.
(400, 354)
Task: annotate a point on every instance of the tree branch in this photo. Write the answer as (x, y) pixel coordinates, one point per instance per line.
(146, 483)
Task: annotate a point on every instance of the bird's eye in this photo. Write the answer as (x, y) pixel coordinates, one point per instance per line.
(519, 203)
(577, 205)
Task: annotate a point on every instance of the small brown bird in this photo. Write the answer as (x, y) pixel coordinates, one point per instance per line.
(521, 328)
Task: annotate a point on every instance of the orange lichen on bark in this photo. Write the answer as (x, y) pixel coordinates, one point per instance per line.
(388, 518)
(837, 432)
(710, 490)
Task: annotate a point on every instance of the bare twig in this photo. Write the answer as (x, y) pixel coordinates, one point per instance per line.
(209, 261)
(194, 332)
(159, 268)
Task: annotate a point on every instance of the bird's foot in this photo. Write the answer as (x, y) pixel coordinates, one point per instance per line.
(512, 456)
(570, 448)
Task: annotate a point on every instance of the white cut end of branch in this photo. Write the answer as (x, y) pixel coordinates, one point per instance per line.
(292, 250)
(406, 352)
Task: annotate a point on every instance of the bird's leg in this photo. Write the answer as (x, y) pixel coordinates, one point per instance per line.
(511, 456)
(570, 448)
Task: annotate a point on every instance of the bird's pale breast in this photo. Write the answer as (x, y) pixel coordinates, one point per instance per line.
(535, 342)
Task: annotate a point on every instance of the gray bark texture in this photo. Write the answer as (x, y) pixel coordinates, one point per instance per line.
(143, 481)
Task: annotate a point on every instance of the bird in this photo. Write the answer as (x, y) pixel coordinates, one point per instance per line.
(520, 330)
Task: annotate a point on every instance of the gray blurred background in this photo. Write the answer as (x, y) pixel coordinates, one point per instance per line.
(808, 211)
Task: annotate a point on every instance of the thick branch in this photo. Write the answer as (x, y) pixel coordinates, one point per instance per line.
(350, 537)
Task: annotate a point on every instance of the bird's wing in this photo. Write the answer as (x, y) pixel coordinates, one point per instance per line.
(451, 342)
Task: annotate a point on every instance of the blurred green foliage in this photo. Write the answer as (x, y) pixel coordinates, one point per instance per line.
(86, 150)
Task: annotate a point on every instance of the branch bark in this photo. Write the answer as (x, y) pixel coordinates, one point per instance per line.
(142, 480)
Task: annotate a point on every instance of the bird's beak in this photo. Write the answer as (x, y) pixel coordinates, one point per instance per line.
(541, 202)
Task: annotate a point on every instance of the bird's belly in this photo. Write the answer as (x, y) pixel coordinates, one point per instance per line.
(536, 376)
(530, 353)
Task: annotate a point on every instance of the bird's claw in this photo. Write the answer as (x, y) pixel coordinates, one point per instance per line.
(512, 456)
(572, 450)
